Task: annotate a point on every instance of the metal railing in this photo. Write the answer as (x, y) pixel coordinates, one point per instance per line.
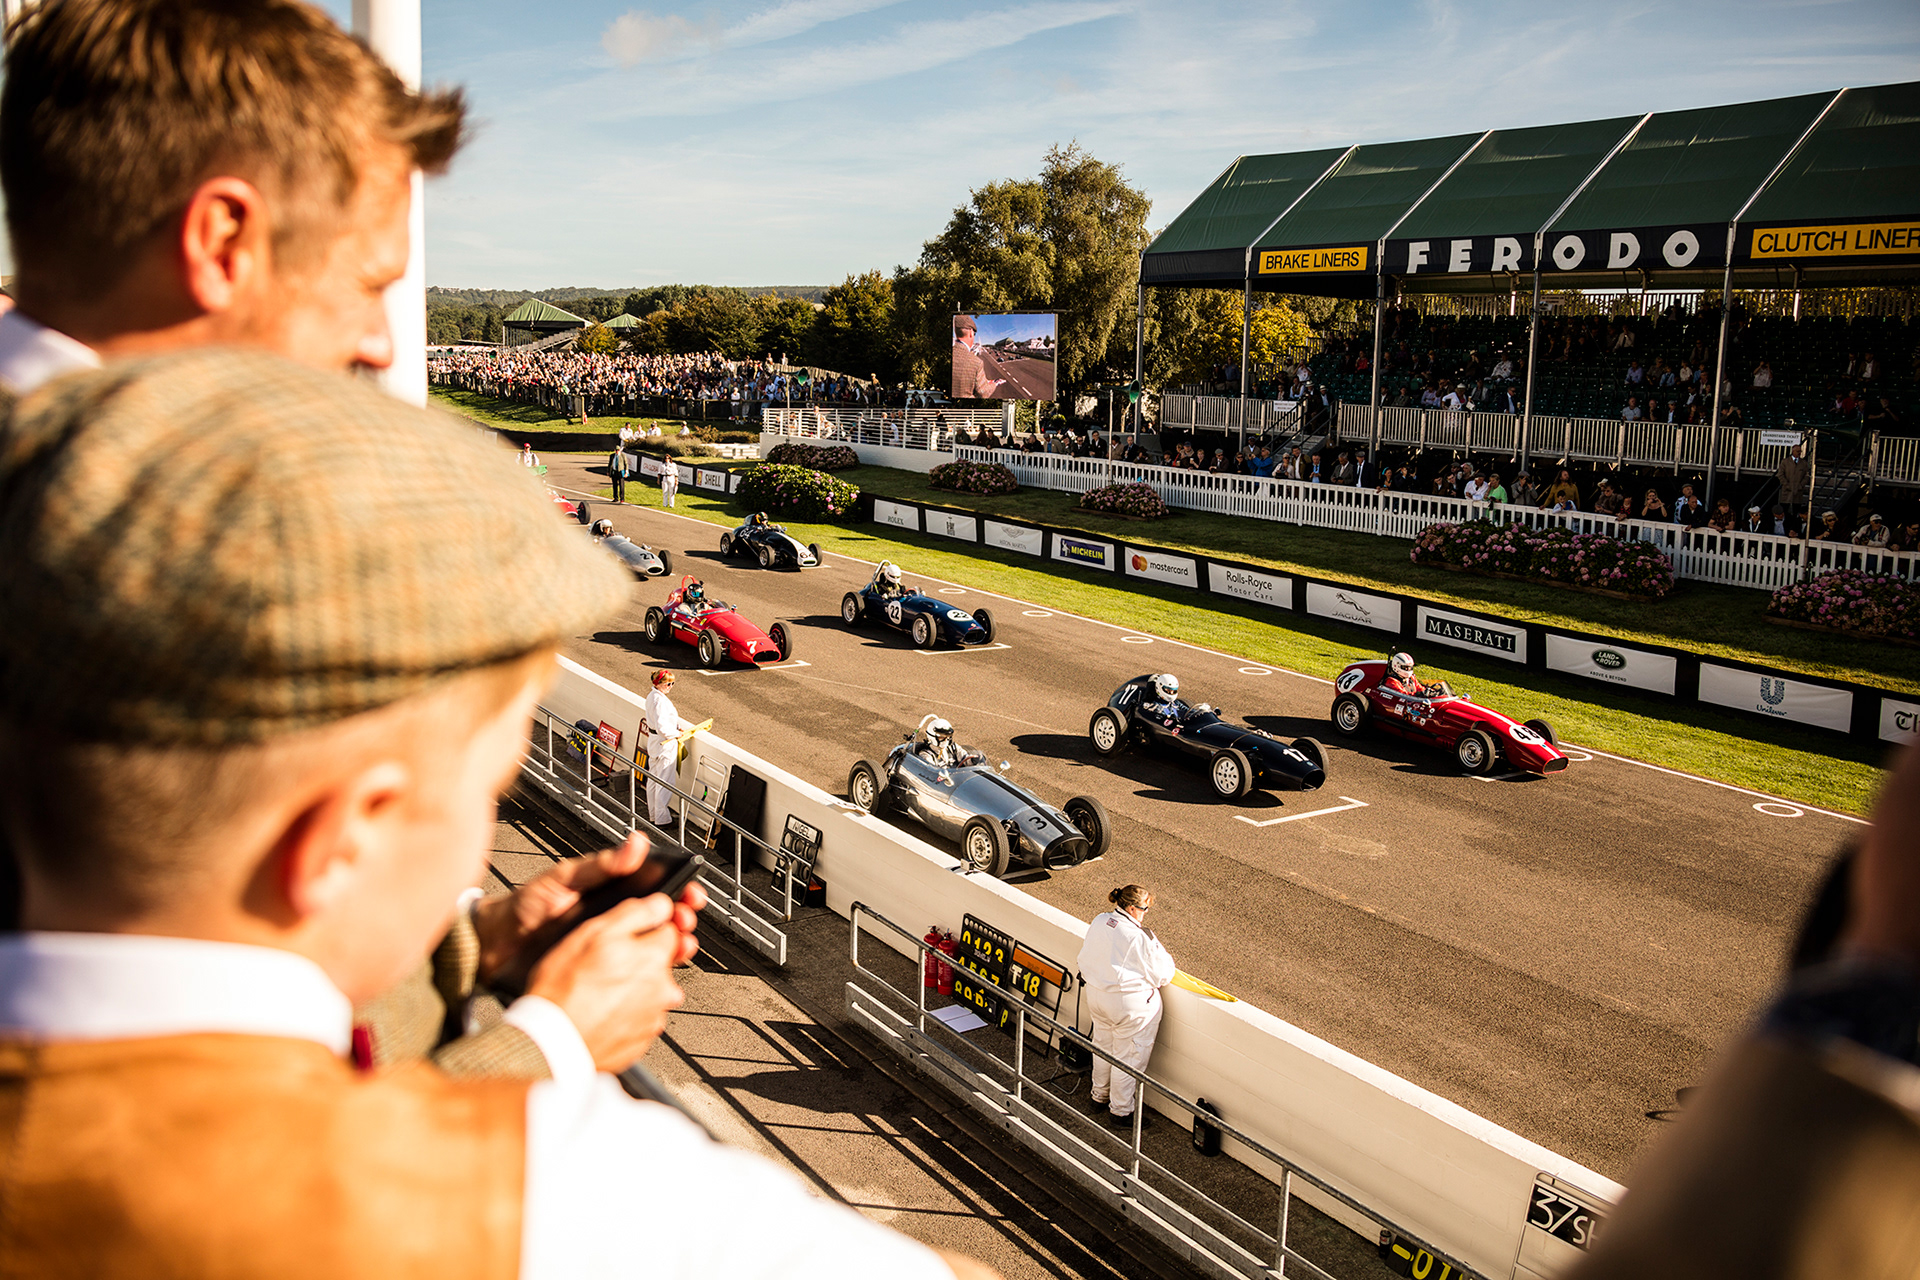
(893, 428)
(607, 791)
(1221, 413)
(1214, 1238)
(1895, 459)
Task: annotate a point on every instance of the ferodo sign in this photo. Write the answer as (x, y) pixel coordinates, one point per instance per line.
(1824, 241)
(1656, 248)
(1161, 567)
(1776, 696)
(1476, 635)
(1478, 254)
(1382, 613)
(1294, 262)
(1613, 663)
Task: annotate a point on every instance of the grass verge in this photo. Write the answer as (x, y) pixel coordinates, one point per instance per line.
(1816, 768)
(512, 414)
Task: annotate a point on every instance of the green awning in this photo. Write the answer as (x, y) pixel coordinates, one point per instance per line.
(533, 312)
(622, 321)
(1328, 243)
(1504, 192)
(1207, 244)
(1850, 197)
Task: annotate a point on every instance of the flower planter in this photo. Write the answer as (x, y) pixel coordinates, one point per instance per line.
(1628, 596)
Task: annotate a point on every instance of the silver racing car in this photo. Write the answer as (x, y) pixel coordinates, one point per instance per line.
(952, 791)
(644, 561)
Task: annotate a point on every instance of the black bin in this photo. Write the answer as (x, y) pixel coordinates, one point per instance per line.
(1206, 1137)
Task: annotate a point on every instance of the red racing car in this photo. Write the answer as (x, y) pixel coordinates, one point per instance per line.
(1477, 736)
(714, 629)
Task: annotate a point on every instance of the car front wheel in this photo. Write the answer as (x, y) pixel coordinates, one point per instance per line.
(726, 546)
(1545, 730)
(765, 553)
(1090, 816)
(1107, 732)
(1231, 774)
(985, 619)
(655, 625)
(984, 846)
(922, 631)
(864, 786)
(782, 639)
(713, 651)
(851, 609)
(1474, 751)
(1349, 713)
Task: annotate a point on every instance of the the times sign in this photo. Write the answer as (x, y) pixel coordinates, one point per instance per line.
(1476, 635)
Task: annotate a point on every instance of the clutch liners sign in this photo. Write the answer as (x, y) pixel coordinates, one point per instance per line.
(1776, 696)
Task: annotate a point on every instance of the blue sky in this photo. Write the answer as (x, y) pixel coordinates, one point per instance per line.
(795, 141)
(989, 329)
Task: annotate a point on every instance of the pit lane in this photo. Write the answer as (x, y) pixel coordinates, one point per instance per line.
(1556, 954)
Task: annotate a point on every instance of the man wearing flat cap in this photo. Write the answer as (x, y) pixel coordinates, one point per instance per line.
(141, 224)
(970, 380)
(245, 773)
(1874, 533)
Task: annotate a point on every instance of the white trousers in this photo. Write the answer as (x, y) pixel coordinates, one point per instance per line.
(663, 765)
(1125, 1026)
(667, 490)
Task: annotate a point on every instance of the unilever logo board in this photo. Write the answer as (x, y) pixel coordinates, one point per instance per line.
(1899, 721)
(1083, 551)
(1474, 634)
(1776, 697)
(1262, 588)
(1613, 664)
(1161, 567)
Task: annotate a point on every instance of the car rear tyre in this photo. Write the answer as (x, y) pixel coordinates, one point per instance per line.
(782, 639)
(1474, 751)
(1090, 816)
(1545, 730)
(666, 562)
(765, 554)
(922, 631)
(1231, 774)
(985, 618)
(712, 651)
(655, 625)
(1312, 750)
(851, 609)
(1107, 732)
(814, 547)
(864, 787)
(1350, 714)
(726, 546)
(984, 846)
(584, 515)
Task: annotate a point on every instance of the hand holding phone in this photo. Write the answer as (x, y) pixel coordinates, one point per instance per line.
(667, 873)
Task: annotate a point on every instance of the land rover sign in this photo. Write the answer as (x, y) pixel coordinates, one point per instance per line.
(1614, 664)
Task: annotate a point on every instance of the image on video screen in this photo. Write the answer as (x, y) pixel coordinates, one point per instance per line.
(1004, 357)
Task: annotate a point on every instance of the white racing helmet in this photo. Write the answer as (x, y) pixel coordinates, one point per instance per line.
(1167, 686)
(1401, 664)
(939, 730)
(890, 574)
(602, 528)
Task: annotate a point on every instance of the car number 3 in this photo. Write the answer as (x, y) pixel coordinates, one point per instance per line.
(893, 612)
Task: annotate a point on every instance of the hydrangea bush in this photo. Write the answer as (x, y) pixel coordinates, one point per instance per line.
(818, 457)
(1867, 604)
(1553, 555)
(973, 477)
(796, 492)
(1136, 499)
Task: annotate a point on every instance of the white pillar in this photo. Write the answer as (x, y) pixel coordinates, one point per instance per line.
(392, 29)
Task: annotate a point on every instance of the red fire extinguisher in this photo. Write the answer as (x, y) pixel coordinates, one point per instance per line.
(944, 973)
(930, 966)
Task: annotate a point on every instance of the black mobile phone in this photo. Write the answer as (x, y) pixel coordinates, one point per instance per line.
(666, 873)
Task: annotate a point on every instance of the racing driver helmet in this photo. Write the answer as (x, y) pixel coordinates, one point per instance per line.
(759, 519)
(940, 731)
(1167, 686)
(695, 594)
(1401, 665)
(890, 574)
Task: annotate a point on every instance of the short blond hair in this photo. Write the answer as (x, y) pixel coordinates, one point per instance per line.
(114, 111)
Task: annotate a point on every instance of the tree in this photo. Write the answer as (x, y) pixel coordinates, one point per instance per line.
(597, 339)
(786, 326)
(854, 331)
(1096, 227)
(1191, 331)
(716, 320)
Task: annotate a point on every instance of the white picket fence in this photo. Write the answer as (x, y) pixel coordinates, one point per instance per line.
(891, 428)
(1760, 561)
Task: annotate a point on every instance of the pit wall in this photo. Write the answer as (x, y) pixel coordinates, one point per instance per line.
(1459, 1180)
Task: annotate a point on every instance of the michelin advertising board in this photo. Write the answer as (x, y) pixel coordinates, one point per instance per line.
(1086, 552)
(1777, 697)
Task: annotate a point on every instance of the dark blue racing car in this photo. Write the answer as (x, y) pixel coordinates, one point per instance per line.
(928, 619)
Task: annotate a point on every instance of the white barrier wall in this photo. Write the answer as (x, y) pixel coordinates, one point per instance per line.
(874, 455)
(1461, 1181)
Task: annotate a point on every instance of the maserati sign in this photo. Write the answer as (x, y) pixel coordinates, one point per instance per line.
(1476, 635)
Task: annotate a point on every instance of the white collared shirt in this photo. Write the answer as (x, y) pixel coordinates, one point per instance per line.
(1121, 956)
(32, 354)
(614, 1187)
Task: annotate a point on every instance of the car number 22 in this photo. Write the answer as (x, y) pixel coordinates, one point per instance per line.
(893, 612)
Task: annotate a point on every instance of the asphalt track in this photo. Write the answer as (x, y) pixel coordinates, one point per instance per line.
(1557, 954)
(1032, 379)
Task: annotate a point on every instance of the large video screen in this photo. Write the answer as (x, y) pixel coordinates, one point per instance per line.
(1004, 357)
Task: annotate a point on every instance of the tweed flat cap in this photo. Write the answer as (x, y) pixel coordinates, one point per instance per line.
(220, 546)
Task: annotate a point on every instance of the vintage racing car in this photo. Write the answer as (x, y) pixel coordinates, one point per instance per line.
(996, 823)
(570, 507)
(770, 544)
(714, 629)
(645, 561)
(1478, 737)
(1238, 759)
(928, 619)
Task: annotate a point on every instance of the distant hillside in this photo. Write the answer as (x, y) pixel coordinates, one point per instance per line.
(510, 298)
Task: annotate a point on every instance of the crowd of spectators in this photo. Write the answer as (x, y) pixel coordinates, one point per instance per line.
(618, 382)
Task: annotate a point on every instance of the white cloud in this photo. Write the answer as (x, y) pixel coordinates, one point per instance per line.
(635, 37)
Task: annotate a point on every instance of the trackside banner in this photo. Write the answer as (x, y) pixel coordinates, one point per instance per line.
(897, 514)
(650, 465)
(1475, 635)
(1899, 721)
(1776, 696)
(948, 525)
(1014, 537)
(1143, 562)
(1613, 663)
(1382, 613)
(1083, 551)
(1261, 588)
(1813, 243)
(710, 479)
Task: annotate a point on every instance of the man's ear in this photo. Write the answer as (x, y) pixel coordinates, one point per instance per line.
(324, 852)
(226, 243)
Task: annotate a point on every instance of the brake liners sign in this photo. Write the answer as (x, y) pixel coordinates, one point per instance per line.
(1353, 257)
(1476, 635)
(1837, 240)
(1613, 663)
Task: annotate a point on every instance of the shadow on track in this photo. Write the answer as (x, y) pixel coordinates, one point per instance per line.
(1168, 779)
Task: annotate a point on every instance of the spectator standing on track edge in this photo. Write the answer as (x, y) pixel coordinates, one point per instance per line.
(619, 467)
(1123, 967)
(663, 727)
(669, 482)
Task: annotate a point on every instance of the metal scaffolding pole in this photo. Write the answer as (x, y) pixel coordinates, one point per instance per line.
(1533, 355)
(1373, 394)
(1246, 331)
(1139, 353)
(1720, 370)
